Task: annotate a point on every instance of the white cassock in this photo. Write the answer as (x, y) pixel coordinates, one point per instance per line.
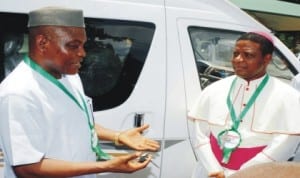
(268, 130)
(38, 120)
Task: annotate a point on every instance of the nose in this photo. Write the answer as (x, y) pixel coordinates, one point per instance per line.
(81, 52)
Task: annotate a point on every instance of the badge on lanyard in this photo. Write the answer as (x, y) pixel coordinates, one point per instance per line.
(228, 140)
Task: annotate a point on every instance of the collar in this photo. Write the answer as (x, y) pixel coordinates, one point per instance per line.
(241, 81)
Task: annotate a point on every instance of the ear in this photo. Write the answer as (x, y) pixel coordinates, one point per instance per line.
(42, 43)
(267, 58)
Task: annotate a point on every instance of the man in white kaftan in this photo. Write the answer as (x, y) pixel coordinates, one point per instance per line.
(46, 121)
(47, 129)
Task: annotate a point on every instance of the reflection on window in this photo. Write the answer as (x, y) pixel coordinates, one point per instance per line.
(13, 41)
(116, 53)
(280, 67)
(12, 50)
(213, 52)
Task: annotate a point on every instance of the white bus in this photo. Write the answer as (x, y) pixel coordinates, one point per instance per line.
(147, 60)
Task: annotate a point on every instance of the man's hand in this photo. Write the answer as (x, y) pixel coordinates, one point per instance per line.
(217, 175)
(135, 140)
(126, 163)
(58, 168)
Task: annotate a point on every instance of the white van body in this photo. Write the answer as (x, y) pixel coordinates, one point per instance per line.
(169, 81)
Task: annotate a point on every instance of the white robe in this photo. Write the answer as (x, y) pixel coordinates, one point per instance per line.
(38, 120)
(272, 121)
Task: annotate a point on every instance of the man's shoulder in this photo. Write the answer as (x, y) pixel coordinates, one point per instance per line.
(18, 80)
(221, 83)
(283, 89)
(219, 88)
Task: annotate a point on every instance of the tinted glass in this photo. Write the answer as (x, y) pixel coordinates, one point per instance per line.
(116, 53)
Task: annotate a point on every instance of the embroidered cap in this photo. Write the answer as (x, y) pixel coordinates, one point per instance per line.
(56, 16)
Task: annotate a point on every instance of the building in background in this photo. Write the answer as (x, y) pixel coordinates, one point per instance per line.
(281, 16)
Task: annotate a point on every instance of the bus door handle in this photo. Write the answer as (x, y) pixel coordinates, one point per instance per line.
(138, 119)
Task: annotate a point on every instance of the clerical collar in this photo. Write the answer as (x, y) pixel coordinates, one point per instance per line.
(252, 82)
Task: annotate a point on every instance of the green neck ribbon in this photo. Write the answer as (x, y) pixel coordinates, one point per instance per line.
(94, 139)
(237, 119)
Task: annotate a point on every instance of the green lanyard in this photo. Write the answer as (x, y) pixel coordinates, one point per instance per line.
(230, 139)
(236, 120)
(94, 139)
